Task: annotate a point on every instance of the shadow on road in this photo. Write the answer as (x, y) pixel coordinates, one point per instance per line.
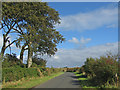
(75, 77)
(75, 80)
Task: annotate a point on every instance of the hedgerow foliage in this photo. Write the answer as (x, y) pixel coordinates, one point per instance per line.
(14, 70)
(101, 70)
(11, 60)
(75, 69)
(15, 74)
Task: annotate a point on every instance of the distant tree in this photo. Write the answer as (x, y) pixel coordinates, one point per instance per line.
(39, 61)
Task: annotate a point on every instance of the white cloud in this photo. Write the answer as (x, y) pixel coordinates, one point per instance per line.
(112, 26)
(83, 40)
(109, 44)
(74, 40)
(56, 57)
(76, 57)
(89, 20)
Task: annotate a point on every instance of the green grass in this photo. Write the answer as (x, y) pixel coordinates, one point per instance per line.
(87, 83)
(31, 82)
(81, 78)
(84, 81)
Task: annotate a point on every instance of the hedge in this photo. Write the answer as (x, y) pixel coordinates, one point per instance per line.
(15, 74)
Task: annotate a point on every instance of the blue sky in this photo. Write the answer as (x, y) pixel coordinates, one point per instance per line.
(90, 29)
(99, 35)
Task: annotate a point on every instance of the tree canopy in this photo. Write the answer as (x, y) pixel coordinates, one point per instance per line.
(34, 23)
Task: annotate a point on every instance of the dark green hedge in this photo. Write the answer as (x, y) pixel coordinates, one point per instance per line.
(15, 74)
(12, 74)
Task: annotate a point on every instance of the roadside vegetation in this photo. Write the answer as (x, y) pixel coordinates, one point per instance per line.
(30, 82)
(29, 26)
(16, 75)
(102, 72)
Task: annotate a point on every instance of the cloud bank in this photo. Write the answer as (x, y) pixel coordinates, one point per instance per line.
(90, 20)
(76, 57)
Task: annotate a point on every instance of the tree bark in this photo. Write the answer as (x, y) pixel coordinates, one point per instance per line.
(4, 45)
(2, 51)
(22, 53)
(29, 61)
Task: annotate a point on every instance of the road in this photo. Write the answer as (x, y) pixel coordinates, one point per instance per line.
(66, 80)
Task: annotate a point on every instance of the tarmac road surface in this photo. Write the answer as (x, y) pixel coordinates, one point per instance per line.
(66, 80)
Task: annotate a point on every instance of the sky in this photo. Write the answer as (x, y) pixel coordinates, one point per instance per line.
(90, 30)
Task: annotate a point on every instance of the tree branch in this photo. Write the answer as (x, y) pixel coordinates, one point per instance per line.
(18, 31)
(20, 28)
(10, 44)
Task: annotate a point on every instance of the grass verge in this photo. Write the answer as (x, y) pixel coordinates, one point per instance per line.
(84, 83)
(87, 83)
(31, 82)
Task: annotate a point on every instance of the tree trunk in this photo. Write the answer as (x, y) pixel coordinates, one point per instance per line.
(4, 45)
(2, 51)
(1, 55)
(29, 61)
(22, 53)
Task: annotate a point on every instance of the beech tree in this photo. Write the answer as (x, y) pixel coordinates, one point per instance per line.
(35, 26)
(8, 22)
